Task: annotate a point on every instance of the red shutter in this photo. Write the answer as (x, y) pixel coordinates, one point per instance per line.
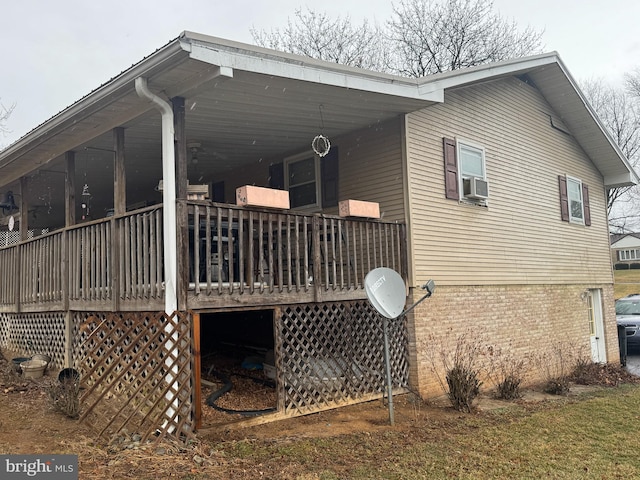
(585, 205)
(564, 198)
(452, 189)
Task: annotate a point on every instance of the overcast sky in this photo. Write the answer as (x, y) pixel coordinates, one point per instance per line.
(54, 53)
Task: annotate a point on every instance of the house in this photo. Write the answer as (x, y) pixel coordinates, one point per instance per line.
(191, 206)
(625, 250)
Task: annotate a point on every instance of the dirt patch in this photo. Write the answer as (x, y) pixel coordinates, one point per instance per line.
(30, 424)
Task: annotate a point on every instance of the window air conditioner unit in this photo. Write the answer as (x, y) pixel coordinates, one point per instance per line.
(475, 187)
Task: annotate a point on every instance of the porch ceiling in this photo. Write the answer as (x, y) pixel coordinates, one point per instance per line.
(237, 115)
(237, 121)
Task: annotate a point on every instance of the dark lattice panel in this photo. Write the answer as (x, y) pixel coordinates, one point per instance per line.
(333, 353)
(30, 333)
(136, 372)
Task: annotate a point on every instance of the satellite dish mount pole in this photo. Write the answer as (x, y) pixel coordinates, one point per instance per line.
(387, 367)
(429, 287)
(386, 291)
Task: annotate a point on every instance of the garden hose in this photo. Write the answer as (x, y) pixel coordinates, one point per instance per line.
(228, 385)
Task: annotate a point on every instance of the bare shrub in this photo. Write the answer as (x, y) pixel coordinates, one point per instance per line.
(556, 367)
(464, 387)
(65, 397)
(507, 372)
(462, 368)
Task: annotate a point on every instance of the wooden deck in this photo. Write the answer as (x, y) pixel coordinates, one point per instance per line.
(229, 257)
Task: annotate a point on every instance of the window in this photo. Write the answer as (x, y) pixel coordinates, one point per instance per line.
(574, 201)
(626, 255)
(574, 194)
(465, 171)
(312, 181)
(301, 173)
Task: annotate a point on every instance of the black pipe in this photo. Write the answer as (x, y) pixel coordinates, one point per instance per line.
(228, 385)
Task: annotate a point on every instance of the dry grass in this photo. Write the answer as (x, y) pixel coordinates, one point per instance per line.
(626, 282)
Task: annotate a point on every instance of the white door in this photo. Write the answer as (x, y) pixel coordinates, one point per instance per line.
(596, 326)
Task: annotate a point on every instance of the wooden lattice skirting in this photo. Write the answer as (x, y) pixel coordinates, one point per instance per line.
(332, 354)
(136, 373)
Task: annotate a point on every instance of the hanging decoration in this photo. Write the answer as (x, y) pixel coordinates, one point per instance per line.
(321, 144)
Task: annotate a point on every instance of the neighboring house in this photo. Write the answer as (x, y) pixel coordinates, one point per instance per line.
(625, 250)
(490, 180)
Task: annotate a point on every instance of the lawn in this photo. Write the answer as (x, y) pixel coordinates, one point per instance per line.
(626, 282)
(590, 438)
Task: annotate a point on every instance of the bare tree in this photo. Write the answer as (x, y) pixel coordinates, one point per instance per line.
(422, 37)
(432, 37)
(5, 113)
(336, 40)
(619, 111)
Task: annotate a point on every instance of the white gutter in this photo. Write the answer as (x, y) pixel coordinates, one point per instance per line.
(169, 237)
(168, 195)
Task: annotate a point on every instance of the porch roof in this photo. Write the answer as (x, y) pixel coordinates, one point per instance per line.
(247, 103)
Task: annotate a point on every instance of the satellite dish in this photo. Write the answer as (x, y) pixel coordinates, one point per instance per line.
(386, 291)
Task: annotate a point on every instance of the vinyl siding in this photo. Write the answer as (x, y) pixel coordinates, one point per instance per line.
(371, 168)
(519, 238)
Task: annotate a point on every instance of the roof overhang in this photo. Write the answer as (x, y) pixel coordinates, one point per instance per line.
(248, 103)
(275, 97)
(556, 84)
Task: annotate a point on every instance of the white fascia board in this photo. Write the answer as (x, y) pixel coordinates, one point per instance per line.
(461, 77)
(621, 180)
(307, 71)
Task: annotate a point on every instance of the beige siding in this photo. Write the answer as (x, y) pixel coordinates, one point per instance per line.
(519, 238)
(370, 169)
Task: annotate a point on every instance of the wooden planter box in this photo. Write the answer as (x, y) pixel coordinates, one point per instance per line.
(250, 195)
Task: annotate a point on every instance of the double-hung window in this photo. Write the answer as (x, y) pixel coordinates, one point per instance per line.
(574, 200)
(574, 195)
(302, 174)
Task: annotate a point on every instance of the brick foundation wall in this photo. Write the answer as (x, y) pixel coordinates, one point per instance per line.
(529, 321)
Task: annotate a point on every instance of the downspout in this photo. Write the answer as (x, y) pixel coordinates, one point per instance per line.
(168, 195)
(169, 240)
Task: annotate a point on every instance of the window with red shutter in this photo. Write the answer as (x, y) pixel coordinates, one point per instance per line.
(574, 200)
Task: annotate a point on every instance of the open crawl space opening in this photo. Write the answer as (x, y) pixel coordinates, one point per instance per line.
(238, 365)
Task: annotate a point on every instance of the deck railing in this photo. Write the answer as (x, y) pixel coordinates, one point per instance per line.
(240, 251)
(232, 254)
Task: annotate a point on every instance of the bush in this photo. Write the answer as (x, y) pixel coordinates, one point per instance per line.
(621, 266)
(586, 372)
(509, 387)
(557, 365)
(634, 266)
(507, 373)
(462, 368)
(65, 397)
(464, 387)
